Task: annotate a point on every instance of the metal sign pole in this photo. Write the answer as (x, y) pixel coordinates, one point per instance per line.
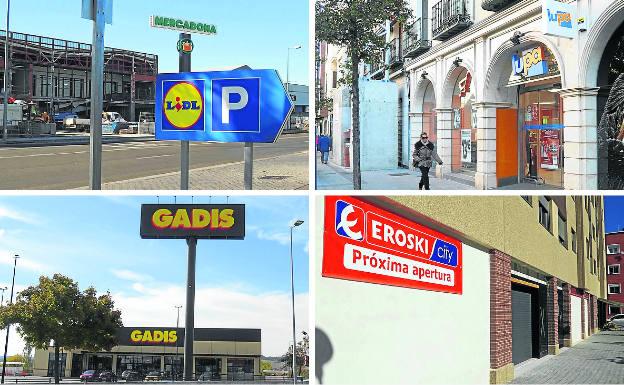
(184, 66)
(7, 83)
(97, 74)
(248, 165)
(189, 319)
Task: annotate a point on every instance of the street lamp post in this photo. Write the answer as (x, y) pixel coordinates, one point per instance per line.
(177, 354)
(288, 78)
(7, 84)
(298, 222)
(6, 342)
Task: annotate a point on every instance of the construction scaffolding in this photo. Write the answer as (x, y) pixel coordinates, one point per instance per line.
(55, 74)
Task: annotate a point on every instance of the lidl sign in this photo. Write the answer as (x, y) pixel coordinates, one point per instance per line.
(182, 25)
(221, 106)
(558, 19)
(217, 221)
(365, 243)
(531, 63)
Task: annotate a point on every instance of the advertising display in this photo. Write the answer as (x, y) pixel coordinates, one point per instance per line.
(531, 63)
(549, 147)
(362, 242)
(217, 221)
(559, 19)
(221, 106)
(167, 336)
(466, 145)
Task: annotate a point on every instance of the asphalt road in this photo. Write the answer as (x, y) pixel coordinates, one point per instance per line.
(66, 167)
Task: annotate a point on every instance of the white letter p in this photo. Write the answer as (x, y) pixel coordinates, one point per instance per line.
(226, 106)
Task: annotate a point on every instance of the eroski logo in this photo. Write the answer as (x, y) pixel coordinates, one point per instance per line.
(349, 221)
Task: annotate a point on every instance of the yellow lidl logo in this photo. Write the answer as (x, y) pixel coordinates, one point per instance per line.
(183, 105)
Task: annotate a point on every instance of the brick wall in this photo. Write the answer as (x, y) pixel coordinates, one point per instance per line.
(500, 309)
(552, 312)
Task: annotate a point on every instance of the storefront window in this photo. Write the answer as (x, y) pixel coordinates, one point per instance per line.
(99, 362)
(174, 367)
(208, 368)
(137, 363)
(240, 368)
(464, 129)
(62, 359)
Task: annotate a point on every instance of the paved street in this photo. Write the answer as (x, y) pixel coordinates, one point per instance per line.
(67, 166)
(333, 177)
(597, 360)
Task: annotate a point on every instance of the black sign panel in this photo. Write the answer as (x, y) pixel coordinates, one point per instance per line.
(147, 336)
(218, 221)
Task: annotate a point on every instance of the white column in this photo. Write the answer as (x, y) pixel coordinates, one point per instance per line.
(444, 131)
(580, 142)
(485, 178)
(416, 122)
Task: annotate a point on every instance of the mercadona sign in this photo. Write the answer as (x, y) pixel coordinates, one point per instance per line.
(362, 242)
(182, 25)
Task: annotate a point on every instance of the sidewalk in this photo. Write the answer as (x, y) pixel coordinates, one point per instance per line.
(334, 177)
(285, 172)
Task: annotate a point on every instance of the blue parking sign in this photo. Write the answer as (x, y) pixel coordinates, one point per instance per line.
(236, 105)
(221, 106)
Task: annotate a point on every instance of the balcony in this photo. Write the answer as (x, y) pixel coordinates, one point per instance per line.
(377, 68)
(414, 41)
(496, 5)
(396, 59)
(450, 17)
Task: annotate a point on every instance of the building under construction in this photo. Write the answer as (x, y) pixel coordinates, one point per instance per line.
(55, 75)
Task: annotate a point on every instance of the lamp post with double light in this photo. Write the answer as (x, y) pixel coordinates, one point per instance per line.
(288, 78)
(6, 342)
(296, 223)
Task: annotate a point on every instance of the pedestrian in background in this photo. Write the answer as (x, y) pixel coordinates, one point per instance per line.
(423, 156)
(324, 145)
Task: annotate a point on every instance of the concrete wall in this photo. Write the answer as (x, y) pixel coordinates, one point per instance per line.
(383, 334)
(576, 325)
(378, 125)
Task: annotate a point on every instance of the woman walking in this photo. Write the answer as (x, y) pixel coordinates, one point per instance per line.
(422, 158)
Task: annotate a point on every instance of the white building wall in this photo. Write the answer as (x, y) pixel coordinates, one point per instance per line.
(575, 320)
(432, 337)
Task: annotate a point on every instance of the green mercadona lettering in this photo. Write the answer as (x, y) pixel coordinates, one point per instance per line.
(191, 26)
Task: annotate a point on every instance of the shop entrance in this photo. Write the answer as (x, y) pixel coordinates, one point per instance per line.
(464, 132)
(240, 369)
(76, 366)
(541, 133)
(208, 368)
(524, 323)
(99, 362)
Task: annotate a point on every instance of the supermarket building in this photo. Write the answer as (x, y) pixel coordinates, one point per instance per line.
(507, 93)
(221, 353)
(531, 279)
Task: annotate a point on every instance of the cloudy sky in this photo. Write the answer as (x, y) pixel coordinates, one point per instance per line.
(252, 32)
(95, 241)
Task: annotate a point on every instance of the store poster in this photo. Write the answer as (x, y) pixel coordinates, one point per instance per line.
(549, 149)
(466, 145)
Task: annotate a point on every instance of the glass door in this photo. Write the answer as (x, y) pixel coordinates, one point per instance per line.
(542, 136)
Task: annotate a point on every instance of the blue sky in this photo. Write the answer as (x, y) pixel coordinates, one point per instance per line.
(614, 213)
(95, 240)
(257, 33)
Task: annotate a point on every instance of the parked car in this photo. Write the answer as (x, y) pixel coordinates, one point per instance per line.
(90, 375)
(108, 376)
(618, 320)
(153, 376)
(130, 375)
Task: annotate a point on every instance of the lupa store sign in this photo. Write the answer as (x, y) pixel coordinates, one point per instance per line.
(365, 243)
(559, 19)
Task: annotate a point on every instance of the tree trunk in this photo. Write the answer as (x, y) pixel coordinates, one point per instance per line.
(355, 120)
(56, 363)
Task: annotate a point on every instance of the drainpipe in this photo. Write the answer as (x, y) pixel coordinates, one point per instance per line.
(387, 58)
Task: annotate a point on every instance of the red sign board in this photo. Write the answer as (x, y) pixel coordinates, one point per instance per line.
(363, 242)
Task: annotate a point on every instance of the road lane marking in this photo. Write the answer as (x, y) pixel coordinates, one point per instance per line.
(154, 156)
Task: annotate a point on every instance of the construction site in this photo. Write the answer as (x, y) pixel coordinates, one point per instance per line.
(50, 86)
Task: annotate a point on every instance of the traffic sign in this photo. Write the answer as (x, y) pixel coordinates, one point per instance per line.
(363, 242)
(221, 106)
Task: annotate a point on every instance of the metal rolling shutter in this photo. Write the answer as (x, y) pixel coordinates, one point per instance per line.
(521, 326)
